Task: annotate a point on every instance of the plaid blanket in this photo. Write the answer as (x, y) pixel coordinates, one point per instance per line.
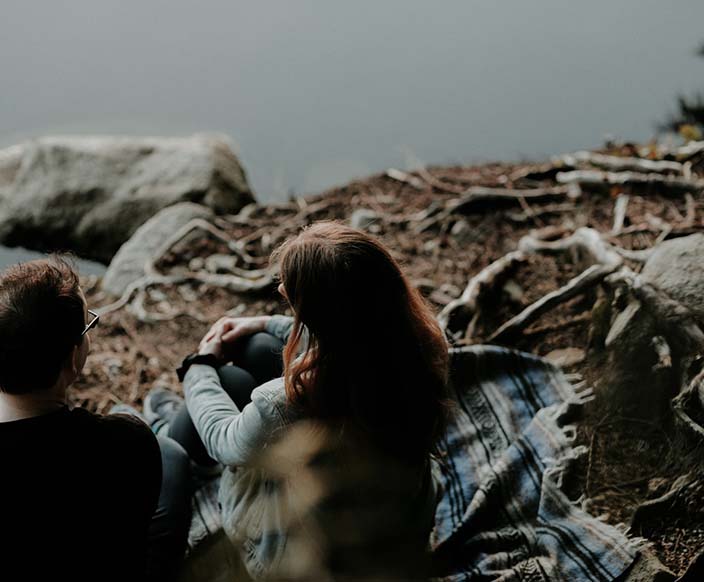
(503, 515)
(206, 512)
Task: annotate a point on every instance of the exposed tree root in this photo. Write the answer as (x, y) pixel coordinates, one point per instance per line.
(406, 178)
(242, 281)
(478, 196)
(601, 257)
(596, 178)
(467, 305)
(580, 284)
(620, 208)
(585, 241)
(620, 164)
(690, 399)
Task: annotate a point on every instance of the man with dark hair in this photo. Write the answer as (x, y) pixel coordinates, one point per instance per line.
(42, 311)
(79, 493)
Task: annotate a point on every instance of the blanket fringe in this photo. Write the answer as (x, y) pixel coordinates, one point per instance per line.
(563, 414)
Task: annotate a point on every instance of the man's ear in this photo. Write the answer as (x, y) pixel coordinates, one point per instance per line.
(72, 362)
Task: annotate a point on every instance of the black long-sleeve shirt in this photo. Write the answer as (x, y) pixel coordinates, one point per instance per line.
(77, 492)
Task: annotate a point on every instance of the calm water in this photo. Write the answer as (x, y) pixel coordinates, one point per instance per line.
(317, 92)
(19, 255)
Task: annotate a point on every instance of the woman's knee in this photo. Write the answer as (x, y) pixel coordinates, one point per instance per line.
(263, 356)
(235, 378)
(238, 383)
(263, 345)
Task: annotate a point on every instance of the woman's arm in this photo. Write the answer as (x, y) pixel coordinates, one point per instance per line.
(230, 436)
(229, 329)
(280, 326)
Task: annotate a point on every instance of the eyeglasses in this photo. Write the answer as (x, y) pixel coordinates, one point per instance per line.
(92, 323)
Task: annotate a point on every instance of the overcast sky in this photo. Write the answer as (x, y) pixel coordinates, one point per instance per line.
(318, 91)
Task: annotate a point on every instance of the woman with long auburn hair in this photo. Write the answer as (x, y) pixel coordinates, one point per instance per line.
(363, 358)
(375, 357)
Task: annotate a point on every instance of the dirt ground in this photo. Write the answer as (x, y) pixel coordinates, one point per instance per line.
(629, 461)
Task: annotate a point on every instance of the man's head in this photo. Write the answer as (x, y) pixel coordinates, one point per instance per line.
(42, 318)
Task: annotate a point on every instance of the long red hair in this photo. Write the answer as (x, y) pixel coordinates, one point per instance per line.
(375, 359)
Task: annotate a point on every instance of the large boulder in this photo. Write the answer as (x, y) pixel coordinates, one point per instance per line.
(677, 268)
(128, 264)
(652, 338)
(10, 161)
(90, 194)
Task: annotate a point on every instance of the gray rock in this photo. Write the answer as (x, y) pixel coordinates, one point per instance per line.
(90, 194)
(647, 568)
(128, 264)
(10, 161)
(648, 358)
(636, 384)
(677, 268)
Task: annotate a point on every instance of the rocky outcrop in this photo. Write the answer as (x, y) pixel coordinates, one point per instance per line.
(677, 268)
(128, 264)
(90, 194)
(10, 161)
(650, 327)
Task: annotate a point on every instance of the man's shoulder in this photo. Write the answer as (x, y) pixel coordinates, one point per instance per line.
(120, 430)
(113, 424)
(122, 446)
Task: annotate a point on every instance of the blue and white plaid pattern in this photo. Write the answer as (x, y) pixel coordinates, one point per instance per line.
(503, 515)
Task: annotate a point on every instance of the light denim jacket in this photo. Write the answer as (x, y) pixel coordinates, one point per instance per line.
(230, 435)
(250, 503)
(253, 506)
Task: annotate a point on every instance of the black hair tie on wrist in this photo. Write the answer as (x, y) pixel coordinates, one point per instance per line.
(204, 359)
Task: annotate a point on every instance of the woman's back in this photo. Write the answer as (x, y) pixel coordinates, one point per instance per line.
(375, 358)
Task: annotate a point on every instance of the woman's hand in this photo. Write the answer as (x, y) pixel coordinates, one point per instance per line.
(229, 329)
(212, 345)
